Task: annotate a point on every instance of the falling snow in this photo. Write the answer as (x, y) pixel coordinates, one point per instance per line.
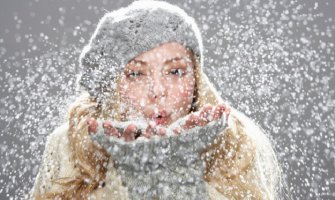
(272, 60)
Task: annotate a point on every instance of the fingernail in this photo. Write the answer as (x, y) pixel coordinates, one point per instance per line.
(177, 131)
(106, 124)
(161, 131)
(129, 137)
(146, 134)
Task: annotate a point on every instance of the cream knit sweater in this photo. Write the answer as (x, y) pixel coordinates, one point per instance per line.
(57, 162)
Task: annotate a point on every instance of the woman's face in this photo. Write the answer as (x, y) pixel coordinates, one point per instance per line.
(158, 85)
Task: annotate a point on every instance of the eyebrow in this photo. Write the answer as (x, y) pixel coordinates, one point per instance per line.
(166, 61)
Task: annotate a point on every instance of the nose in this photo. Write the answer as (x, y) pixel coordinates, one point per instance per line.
(157, 88)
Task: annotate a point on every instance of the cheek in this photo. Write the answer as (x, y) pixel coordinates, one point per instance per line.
(187, 87)
(182, 91)
(132, 94)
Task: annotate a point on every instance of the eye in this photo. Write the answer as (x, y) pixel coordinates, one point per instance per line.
(134, 74)
(177, 72)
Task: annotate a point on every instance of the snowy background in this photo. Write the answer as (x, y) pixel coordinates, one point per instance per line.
(271, 59)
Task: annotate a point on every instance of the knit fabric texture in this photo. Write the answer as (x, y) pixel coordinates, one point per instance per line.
(58, 163)
(168, 167)
(127, 32)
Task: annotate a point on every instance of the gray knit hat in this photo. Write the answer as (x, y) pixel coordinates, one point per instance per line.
(125, 33)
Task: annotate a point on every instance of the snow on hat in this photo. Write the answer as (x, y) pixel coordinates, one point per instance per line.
(125, 33)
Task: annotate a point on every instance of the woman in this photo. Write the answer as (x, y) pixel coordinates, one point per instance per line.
(144, 62)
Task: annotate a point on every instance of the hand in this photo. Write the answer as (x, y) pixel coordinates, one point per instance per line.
(152, 129)
(128, 134)
(207, 114)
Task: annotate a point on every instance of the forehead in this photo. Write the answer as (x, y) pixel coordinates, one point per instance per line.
(164, 52)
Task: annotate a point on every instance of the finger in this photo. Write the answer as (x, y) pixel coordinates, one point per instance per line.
(92, 125)
(191, 122)
(177, 130)
(161, 131)
(149, 131)
(129, 132)
(110, 130)
(218, 111)
(205, 115)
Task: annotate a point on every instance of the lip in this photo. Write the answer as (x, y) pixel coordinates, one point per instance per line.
(162, 120)
(161, 117)
(159, 113)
